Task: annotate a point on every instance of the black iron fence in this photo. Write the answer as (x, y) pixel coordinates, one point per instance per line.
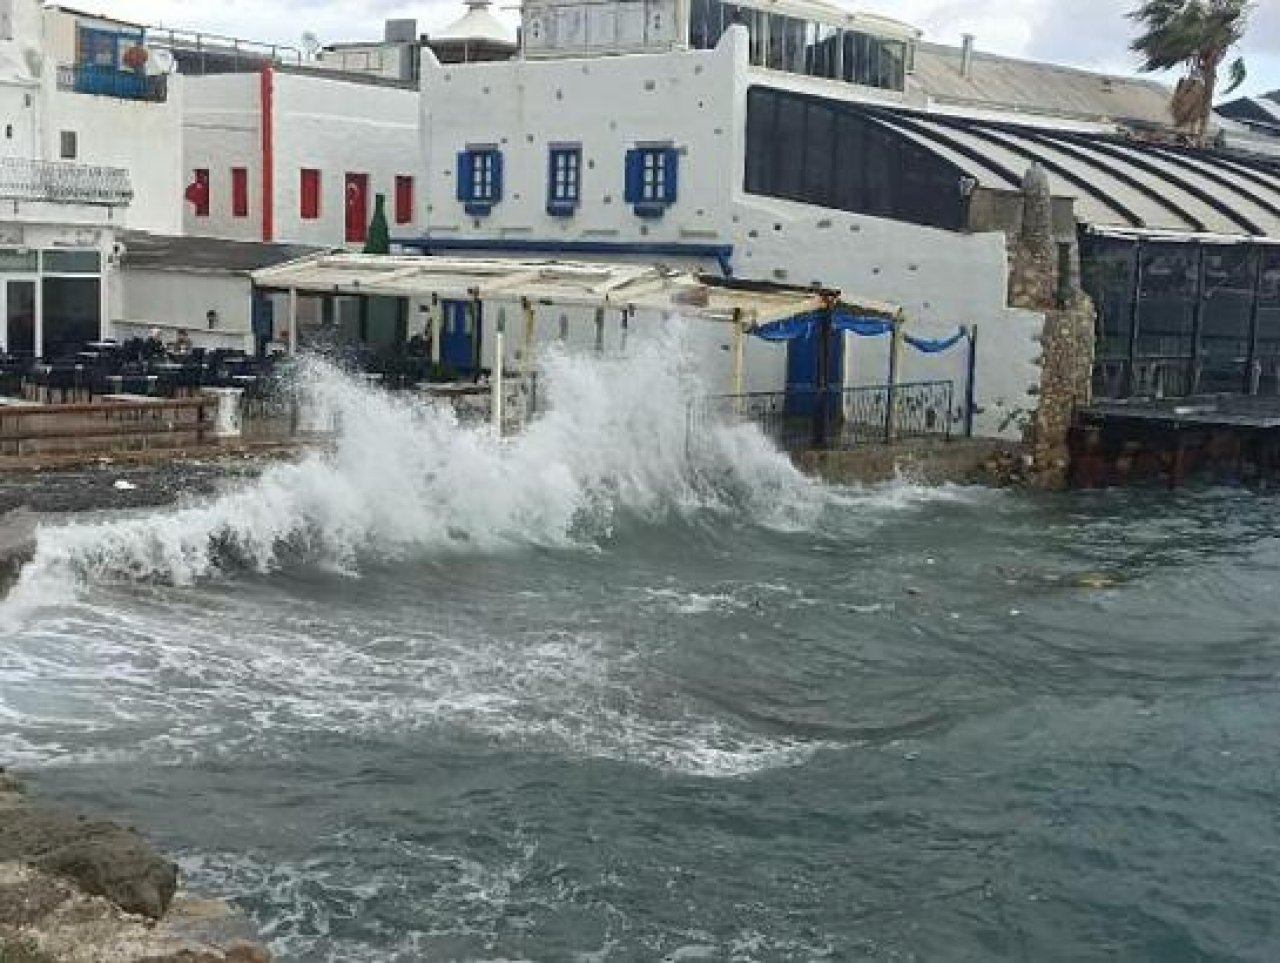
(838, 418)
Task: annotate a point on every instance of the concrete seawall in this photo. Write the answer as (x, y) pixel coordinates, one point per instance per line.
(930, 461)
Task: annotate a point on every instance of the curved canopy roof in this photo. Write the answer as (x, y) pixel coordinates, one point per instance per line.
(1116, 180)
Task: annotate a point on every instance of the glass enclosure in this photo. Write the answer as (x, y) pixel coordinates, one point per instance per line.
(829, 153)
(801, 46)
(1179, 318)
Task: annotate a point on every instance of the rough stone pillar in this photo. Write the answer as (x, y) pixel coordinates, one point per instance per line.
(1033, 275)
(1067, 340)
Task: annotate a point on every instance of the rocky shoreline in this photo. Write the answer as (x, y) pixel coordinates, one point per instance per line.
(75, 889)
(80, 890)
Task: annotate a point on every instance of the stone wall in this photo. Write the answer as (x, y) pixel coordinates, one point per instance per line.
(1036, 282)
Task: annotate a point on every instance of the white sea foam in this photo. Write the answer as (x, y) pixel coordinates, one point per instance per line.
(405, 477)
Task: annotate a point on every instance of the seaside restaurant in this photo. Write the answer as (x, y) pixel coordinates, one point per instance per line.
(51, 301)
(372, 307)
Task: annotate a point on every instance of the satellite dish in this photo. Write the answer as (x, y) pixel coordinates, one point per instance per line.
(161, 61)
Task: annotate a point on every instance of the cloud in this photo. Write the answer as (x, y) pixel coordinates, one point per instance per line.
(1087, 33)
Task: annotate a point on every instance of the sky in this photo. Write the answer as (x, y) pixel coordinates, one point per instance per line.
(1086, 33)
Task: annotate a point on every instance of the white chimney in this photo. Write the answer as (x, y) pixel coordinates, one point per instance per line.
(966, 56)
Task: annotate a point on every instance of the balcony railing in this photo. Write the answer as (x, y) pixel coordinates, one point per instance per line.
(111, 82)
(63, 183)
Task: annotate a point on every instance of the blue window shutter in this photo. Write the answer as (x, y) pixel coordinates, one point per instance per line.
(634, 193)
(671, 167)
(465, 171)
(551, 177)
(497, 176)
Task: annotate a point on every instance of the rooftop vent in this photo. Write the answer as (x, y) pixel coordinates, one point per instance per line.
(401, 31)
(966, 56)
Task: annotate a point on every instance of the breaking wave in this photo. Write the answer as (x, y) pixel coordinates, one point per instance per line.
(404, 476)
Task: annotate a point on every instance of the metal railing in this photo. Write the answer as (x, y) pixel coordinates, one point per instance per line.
(112, 82)
(839, 418)
(63, 182)
(216, 45)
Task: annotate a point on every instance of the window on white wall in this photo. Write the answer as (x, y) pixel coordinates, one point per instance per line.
(479, 179)
(651, 179)
(69, 146)
(564, 180)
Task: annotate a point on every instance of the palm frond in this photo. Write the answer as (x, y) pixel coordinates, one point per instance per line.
(1237, 74)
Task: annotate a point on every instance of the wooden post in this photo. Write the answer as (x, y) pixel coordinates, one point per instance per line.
(475, 312)
(495, 381)
(895, 360)
(825, 325)
(971, 382)
(526, 350)
(739, 353)
(293, 320)
(435, 314)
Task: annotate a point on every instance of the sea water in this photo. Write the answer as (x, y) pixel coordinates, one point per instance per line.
(603, 691)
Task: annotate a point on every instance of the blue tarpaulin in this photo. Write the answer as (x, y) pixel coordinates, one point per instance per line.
(801, 326)
(926, 346)
(788, 330)
(863, 327)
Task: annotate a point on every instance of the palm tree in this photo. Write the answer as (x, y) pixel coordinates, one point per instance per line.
(1196, 35)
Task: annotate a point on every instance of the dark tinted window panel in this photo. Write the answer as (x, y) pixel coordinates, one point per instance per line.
(831, 154)
(1107, 272)
(1226, 315)
(760, 146)
(1268, 345)
(789, 148)
(819, 154)
(1167, 300)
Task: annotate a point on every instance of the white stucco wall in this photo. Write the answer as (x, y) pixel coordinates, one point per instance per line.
(697, 100)
(339, 126)
(941, 279)
(180, 299)
(327, 123)
(222, 129)
(143, 137)
(607, 105)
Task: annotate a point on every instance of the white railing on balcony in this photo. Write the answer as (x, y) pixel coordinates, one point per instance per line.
(61, 182)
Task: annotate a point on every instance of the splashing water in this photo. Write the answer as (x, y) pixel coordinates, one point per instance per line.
(404, 477)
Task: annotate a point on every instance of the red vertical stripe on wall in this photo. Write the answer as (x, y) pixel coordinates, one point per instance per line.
(309, 206)
(239, 192)
(268, 90)
(404, 200)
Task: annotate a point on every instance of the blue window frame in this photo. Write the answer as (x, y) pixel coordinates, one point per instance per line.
(480, 179)
(564, 180)
(652, 178)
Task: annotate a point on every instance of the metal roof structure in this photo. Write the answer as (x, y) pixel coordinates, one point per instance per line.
(561, 283)
(1040, 88)
(203, 255)
(1115, 180)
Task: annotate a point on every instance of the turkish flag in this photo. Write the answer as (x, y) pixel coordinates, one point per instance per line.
(197, 193)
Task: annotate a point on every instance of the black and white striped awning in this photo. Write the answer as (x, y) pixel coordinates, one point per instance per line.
(1116, 180)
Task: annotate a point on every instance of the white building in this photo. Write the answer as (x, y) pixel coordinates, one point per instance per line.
(794, 141)
(578, 150)
(91, 144)
(298, 155)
